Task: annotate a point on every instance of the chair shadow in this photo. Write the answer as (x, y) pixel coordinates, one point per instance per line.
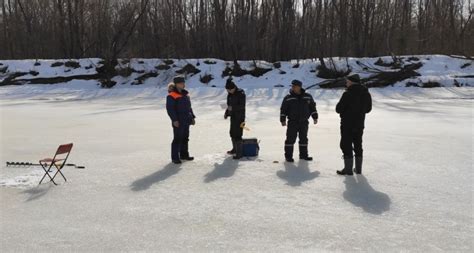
(224, 170)
(37, 191)
(361, 194)
(296, 175)
(156, 177)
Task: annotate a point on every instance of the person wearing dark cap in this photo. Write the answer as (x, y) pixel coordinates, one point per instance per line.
(236, 111)
(352, 107)
(298, 107)
(178, 105)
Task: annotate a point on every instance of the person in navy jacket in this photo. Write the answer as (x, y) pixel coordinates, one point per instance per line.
(178, 105)
(298, 107)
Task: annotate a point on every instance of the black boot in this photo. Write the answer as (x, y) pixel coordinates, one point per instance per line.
(238, 150)
(232, 151)
(177, 161)
(184, 154)
(289, 153)
(358, 165)
(348, 163)
(304, 153)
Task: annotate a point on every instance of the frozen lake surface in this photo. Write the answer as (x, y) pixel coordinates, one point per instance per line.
(416, 192)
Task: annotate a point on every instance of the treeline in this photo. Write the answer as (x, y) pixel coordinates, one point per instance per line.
(234, 29)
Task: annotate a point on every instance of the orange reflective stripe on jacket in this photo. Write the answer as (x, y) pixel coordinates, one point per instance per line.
(175, 95)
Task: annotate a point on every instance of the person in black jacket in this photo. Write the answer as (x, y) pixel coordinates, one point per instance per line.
(236, 111)
(178, 106)
(298, 107)
(352, 107)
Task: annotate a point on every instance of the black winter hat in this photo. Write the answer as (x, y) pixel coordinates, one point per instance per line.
(178, 79)
(297, 83)
(229, 84)
(355, 78)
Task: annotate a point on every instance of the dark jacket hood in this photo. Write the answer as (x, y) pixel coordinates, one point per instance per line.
(303, 91)
(357, 87)
(183, 92)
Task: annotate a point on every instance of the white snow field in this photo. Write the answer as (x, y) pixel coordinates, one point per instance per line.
(416, 193)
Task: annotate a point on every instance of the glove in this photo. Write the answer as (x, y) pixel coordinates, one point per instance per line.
(283, 123)
(226, 115)
(193, 122)
(315, 121)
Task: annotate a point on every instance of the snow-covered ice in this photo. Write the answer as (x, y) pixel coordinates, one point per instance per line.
(416, 193)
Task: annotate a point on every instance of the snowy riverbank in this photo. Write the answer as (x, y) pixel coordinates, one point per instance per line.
(418, 71)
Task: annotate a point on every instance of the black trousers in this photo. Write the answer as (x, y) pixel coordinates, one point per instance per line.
(236, 131)
(179, 146)
(351, 142)
(296, 129)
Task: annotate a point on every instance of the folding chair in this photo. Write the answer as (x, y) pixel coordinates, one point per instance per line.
(56, 161)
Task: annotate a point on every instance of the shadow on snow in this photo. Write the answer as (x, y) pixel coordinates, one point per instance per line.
(156, 177)
(361, 194)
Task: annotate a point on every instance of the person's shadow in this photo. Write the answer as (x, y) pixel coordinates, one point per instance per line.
(226, 169)
(161, 175)
(296, 175)
(361, 194)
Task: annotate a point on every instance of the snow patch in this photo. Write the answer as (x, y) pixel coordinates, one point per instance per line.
(447, 71)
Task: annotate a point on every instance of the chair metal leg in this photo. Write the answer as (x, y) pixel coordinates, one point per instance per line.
(59, 168)
(46, 173)
(59, 171)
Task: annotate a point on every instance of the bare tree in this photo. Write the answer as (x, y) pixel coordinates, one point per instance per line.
(234, 29)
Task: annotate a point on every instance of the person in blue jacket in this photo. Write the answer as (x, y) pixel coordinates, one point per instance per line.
(178, 105)
(297, 107)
